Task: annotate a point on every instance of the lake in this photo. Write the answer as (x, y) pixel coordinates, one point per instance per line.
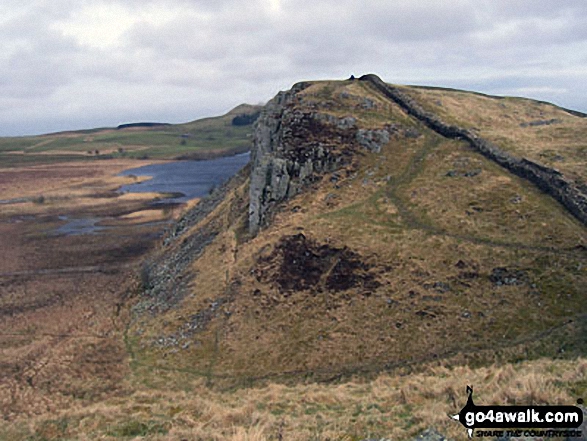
(191, 179)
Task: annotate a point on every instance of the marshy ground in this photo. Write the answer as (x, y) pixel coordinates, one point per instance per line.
(61, 289)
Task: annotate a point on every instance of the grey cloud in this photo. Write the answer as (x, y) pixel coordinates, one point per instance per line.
(213, 55)
(419, 21)
(34, 62)
(532, 8)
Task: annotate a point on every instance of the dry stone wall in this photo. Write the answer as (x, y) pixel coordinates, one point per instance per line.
(293, 146)
(549, 180)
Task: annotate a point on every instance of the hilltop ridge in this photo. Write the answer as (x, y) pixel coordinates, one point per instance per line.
(571, 194)
(368, 235)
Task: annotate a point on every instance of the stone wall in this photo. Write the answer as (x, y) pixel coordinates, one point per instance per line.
(293, 146)
(549, 180)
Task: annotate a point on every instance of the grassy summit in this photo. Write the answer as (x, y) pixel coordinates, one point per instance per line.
(536, 130)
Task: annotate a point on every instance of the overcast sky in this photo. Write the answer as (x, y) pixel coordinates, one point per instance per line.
(71, 64)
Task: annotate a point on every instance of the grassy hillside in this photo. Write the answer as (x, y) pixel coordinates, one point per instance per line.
(424, 251)
(179, 407)
(197, 139)
(366, 303)
(536, 130)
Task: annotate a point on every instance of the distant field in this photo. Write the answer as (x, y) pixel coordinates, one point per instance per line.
(197, 139)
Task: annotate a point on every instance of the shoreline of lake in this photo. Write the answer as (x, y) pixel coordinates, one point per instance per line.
(190, 178)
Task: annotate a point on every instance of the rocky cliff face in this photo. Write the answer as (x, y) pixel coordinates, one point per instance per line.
(294, 144)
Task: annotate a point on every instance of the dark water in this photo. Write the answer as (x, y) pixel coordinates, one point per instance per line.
(184, 179)
(193, 179)
(88, 225)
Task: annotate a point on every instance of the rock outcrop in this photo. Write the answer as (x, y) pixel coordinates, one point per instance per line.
(163, 276)
(365, 269)
(570, 194)
(274, 170)
(292, 147)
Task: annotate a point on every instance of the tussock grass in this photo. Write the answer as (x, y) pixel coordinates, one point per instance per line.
(391, 361)
(391, 406)
(433, 239)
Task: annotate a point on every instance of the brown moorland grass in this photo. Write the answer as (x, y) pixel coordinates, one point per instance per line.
(435, 224)
(61, 296)
(390, 406)
(526, 128)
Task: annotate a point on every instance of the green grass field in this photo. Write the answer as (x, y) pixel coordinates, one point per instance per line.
(194, 140)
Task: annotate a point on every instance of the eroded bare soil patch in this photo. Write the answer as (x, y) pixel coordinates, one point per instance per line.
(299, 264)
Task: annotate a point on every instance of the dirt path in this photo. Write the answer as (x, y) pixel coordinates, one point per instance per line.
(550, 181)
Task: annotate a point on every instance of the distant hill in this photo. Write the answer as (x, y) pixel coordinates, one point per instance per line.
(142, 124)
(208, 137)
